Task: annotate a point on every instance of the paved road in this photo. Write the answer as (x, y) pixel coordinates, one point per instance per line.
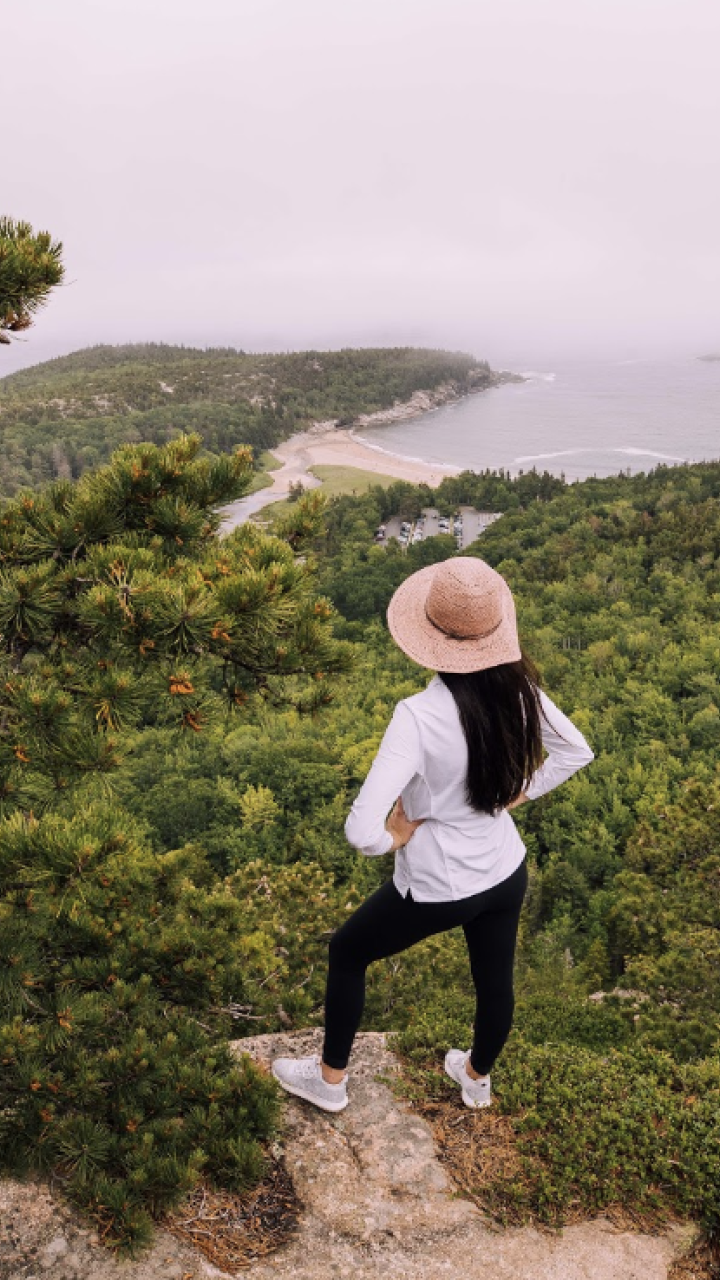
(282, 478)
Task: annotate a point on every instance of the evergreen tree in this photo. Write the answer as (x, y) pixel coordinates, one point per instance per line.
(119, 608)
(30, 266)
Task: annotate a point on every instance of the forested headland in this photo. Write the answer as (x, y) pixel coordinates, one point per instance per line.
(64, 416)
(185, 724)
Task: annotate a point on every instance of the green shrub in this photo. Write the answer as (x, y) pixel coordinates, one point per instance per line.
(119, 609)
(116, 1077)
(595, 1128)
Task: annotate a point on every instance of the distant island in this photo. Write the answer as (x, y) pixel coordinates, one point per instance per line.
(713, 355)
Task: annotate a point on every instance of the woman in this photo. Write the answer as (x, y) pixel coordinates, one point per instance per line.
(455, 759)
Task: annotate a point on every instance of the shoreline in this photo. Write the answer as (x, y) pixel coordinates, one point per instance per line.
(340, 446)
(335, 447)
(326, 444)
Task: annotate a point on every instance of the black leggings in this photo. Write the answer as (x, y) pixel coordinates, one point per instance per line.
(387, 923)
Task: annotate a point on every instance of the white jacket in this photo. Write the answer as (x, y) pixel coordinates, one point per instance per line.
(423, 756)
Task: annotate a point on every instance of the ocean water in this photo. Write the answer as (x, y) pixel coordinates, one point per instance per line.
(576, 419)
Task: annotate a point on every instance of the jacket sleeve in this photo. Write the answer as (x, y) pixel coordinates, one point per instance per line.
(567, 750)
(397, 761)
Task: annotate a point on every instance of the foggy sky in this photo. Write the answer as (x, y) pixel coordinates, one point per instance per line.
(517, 176)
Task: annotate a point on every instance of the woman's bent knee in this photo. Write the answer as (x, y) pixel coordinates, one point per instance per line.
(338, 948)
(343, 953)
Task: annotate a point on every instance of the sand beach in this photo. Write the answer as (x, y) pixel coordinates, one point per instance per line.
(327, 445)
(324, 444)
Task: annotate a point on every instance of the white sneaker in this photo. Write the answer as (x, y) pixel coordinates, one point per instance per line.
(475, 1093)
(304, 1078)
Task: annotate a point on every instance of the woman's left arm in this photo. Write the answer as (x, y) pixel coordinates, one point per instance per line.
(398, 759)
(566, 747)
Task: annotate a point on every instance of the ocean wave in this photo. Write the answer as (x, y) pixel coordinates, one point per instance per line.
(649, 453)
(539, 377)
(404, 457)
(559, 453)
(629, 449)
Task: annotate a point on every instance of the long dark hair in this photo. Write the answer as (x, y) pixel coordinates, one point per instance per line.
(500, 714)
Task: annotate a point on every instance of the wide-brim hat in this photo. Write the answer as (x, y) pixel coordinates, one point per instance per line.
(455, 616)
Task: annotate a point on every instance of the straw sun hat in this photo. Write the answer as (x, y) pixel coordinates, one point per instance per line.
(455, 616)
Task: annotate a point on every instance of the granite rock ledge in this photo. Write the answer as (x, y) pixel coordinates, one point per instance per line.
(376, 1203)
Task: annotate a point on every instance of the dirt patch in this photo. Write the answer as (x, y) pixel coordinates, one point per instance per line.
(478, 1149)
(702, 1263)
(233, 1231)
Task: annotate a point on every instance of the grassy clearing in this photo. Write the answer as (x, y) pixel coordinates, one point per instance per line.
(339, 480)
(335, 482)
(268, 461)
(262, 478)
(273, 511)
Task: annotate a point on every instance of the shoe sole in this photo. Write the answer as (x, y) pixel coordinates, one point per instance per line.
(310, 1097)
(469, 1102)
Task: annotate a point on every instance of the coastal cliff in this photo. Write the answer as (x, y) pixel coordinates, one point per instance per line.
(423, 400)
(446, 393)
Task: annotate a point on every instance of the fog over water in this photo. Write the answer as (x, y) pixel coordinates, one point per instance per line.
(275, 175)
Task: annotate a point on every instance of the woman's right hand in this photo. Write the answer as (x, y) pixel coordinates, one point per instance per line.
(399, 825)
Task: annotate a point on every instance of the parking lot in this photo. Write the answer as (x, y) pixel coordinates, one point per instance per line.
(465, 524)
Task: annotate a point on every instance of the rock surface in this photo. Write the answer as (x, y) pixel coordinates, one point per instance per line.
(376, 1203)
(42, 1237)
(445, 393)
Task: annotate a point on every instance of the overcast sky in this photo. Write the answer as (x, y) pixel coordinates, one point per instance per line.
(535, 176)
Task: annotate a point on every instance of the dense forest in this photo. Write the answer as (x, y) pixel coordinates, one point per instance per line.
(612, 1077)
(187, 721)
(62, 417)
